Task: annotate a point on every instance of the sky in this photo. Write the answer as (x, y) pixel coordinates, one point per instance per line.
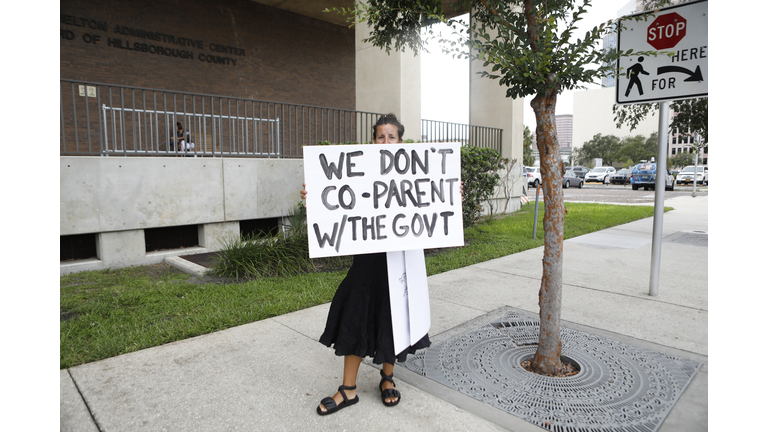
(445, 81)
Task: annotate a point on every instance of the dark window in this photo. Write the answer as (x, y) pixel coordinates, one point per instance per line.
(171, 237)
(77, 247)
(259, 227)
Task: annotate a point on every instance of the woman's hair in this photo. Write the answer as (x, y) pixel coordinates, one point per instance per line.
(179, 126)
(390, 119)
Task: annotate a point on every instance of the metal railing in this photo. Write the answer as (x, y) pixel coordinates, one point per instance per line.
(105, 119)
(477, 136)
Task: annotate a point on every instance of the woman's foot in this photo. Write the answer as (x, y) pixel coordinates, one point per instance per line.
(345, 397)
(390, 396)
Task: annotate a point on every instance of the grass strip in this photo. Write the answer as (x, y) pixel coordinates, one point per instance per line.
(112, 312)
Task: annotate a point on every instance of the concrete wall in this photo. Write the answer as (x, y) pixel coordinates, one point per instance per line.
(117, 198)
(489, 106)
(388, 83)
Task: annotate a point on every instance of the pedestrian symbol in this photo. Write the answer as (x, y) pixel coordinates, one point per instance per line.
(633, 73)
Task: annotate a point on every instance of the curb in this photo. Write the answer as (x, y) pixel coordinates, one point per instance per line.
(186, 266)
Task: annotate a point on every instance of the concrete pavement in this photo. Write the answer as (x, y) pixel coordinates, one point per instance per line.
(270, 375)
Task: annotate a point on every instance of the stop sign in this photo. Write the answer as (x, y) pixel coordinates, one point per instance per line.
(666, 31)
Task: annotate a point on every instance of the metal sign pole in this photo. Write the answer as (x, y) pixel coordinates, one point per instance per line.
(697, 140)
(658, 210)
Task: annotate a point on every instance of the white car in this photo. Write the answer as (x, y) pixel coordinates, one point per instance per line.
(600, 174)
(533, 174)
(685, 176)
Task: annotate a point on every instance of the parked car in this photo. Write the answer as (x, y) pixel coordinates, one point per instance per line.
(600, 174)
(621, 176)
(644, 175)
(534, 175)
(570, 178)
(580, 171)
(685, 176)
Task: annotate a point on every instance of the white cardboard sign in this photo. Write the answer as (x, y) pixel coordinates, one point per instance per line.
(408, 297)
(370, 198)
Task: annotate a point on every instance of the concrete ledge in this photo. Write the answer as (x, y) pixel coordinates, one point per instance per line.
(186, 266)
(68, 267)
(150, 258)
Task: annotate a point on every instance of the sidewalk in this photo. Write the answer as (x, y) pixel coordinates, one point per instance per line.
(270, 375)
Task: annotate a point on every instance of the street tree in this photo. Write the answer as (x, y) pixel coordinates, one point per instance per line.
(605, 147)
(638, 148)
(680, 160)
(532, 48)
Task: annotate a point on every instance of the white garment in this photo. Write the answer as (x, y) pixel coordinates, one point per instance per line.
(186, 146)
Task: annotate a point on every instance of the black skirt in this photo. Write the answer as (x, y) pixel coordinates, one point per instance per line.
(360, 319)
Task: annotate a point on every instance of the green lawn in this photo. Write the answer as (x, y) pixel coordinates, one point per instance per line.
(112, 312)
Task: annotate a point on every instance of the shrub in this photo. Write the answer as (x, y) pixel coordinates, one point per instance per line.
(281, 254)
(479, 172)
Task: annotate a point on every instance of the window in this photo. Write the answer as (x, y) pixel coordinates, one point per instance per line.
(170, 237)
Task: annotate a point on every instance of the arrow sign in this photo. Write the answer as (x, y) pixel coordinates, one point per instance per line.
(693, 76)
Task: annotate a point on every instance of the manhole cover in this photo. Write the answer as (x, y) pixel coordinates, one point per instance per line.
(620, 387)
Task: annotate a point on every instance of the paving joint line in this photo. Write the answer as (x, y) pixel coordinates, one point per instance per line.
(85, 402)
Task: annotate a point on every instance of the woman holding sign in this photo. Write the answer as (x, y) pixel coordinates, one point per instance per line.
(359, 322)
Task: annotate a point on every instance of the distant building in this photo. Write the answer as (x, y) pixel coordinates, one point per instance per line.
(564, 125)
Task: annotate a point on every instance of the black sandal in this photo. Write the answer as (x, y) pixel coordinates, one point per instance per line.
(330, 404)
(388, 393)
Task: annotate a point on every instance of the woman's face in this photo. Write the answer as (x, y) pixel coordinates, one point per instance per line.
(386, 134)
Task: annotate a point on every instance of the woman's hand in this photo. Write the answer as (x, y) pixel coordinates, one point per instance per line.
(303, 192)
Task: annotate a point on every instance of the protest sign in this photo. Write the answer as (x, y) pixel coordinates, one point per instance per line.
(383, 197)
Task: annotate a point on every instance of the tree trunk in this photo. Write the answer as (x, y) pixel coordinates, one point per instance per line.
(547, 358)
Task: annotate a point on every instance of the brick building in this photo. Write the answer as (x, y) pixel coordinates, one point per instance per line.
(233, 48)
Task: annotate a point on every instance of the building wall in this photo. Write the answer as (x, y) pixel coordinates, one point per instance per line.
(117, 198)
(593, 114)
(229, 47)
(100, 194)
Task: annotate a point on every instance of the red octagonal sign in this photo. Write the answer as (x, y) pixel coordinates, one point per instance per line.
(666, 31)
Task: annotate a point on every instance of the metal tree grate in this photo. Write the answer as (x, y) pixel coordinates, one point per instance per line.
(620, 387)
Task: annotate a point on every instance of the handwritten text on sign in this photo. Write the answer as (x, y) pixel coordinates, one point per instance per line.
(383, 197)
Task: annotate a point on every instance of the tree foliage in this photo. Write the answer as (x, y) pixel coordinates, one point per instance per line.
(690, 116)
(605, 147)
(613, 151)
(528, 158)
(681, 160)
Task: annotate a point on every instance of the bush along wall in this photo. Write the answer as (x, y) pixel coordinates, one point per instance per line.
(479, 173)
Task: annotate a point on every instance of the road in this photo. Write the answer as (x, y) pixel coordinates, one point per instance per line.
(623, 194)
